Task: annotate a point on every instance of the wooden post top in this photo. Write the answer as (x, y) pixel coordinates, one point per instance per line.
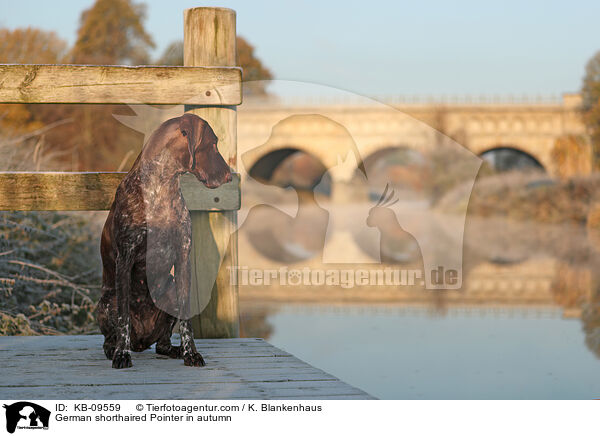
(209, 37)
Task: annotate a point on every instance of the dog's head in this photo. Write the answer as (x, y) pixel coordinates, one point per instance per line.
(203, 158)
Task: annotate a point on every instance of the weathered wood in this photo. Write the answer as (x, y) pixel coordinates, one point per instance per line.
(199, 197)
(57, 190)
(120, 84)
(74, 367)
(96, 191)
(210, 39)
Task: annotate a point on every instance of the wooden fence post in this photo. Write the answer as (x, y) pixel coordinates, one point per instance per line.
(210, 40)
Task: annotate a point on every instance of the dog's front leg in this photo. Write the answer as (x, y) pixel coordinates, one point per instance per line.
(191, 357)
(183, 280)
(122, 355)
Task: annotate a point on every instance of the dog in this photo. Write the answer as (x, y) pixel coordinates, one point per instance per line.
(148, 201)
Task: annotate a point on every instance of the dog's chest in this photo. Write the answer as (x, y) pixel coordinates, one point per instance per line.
(164, 205)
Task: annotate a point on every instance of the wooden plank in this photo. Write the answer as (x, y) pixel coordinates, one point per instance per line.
(91, 342)
(74, 367)
(170, 392)
(57, 190)
(101, 373)
(210, 39)
(120, 84)
(175, 392)
(134, 392)
(96, 191)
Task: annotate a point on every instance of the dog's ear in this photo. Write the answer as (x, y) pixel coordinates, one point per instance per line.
(190, 140)
(191, 128)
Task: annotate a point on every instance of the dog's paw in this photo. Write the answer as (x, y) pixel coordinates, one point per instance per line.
(121, 359)
(193, 359)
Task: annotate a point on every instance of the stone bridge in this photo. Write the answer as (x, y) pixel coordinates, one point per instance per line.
(325, 130)
(328, 131)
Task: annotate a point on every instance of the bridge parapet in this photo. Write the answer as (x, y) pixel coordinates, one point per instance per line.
(529, 125)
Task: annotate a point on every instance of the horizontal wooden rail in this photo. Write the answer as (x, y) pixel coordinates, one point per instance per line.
(96, 191)
(120, 84)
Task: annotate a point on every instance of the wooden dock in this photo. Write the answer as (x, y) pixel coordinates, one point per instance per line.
(74, 367)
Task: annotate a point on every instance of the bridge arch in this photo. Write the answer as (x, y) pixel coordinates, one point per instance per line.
(401, 166)
(507, 157)
(313, 134)
(292, 166)
(275, 235)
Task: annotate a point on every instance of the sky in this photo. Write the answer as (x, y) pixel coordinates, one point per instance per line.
(382, 48)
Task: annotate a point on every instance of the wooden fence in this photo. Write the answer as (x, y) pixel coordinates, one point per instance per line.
(210, 86)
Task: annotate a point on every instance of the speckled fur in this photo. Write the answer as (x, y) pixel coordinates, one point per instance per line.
(148, 202)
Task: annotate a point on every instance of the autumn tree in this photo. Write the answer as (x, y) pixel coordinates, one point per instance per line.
(572, 156)
(30, 45)
(591, 103)
(112, 32)
(253, 68)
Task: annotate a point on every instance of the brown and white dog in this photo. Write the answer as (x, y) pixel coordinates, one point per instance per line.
(149, 204)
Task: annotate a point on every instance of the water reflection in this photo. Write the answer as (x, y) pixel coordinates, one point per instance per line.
(571, 289)
(526, 322)
(406, 353)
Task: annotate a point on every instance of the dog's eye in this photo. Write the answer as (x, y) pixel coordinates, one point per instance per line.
(184, 133)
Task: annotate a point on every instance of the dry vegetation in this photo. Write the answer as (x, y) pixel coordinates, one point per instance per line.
(527, 197)
(49, 263)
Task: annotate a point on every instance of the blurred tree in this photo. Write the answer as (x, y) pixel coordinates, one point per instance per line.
(590, 107)
(111, 32)
(253, 67)
(30, 45)
(26, 46)
(572, 156)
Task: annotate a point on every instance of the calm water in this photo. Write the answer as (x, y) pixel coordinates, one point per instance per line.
(400, 354)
